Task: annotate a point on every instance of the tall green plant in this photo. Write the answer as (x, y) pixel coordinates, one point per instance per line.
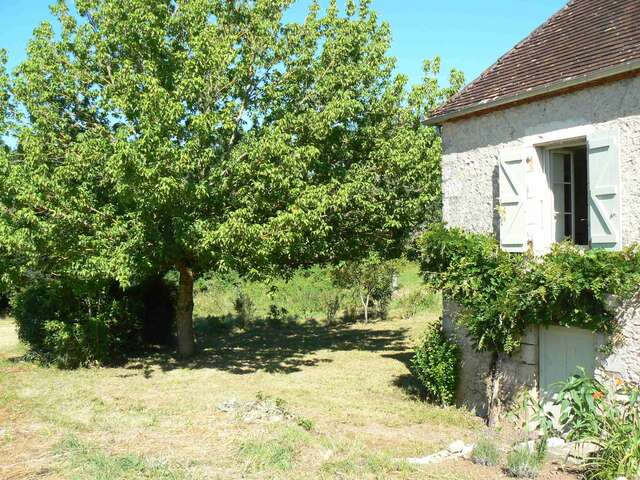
(605, 414)
(212, 135)
(436, 363)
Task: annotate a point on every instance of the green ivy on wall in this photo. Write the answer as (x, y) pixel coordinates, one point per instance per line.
(502, 293)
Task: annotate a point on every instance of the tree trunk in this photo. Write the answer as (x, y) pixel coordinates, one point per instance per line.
(365, 304)
(184, 312)
(493, 413)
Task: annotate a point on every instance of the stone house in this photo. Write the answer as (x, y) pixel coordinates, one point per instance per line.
(544, 146)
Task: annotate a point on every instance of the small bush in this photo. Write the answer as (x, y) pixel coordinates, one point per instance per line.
(415, 302)
(371, 280)
(244, 308)
(486, 452)
(435, 364)
(523, 462)
(332, 307)
(73, 324)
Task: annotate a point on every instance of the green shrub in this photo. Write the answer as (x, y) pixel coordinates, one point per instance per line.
(245, 308)
(371, 280)
(73, 324)
(435, 364)
(486, 452)
(607, 415)
(524, 462)
(332, 305)
(415, 302)
(501, 293)
(309, 293)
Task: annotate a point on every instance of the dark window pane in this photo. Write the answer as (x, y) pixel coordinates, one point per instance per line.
(567, 168)
(568, 201)
(568, 226)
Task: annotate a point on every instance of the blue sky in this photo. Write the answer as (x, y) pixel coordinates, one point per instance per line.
(467, 34)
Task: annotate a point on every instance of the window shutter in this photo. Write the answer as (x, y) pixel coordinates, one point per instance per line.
(513, 221)
(604, 191)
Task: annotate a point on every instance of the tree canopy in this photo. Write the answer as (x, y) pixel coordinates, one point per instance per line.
(203, 135)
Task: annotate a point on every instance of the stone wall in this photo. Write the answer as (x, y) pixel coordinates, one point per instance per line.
(470, 189)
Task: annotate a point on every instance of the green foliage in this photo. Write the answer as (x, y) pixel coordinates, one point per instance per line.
(502, 293)
(435, 364)
(308, 293)
(244, 308)
(305, 294)
(524, 462)
(486, 452)
(211, 135)
(607, 415)
(371, 280)
(581, 399)
(416, 301)
(72, 327)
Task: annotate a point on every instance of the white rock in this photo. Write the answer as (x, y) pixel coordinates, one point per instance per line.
(555, 442)
(467, 451)
(455, 450)
(456, 447)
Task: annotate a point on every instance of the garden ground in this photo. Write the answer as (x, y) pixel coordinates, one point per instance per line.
(351, 410)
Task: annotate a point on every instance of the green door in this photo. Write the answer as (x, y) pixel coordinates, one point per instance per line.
(563, 352)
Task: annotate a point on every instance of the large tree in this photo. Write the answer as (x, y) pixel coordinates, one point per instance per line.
(203, 135)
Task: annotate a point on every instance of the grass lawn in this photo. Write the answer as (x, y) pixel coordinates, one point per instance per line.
(346, 388)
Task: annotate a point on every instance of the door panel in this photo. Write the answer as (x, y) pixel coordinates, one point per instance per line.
(563, 352)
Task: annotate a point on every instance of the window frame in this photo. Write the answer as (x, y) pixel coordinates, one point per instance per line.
(547, 168)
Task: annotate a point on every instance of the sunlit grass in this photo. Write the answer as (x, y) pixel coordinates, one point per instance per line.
(158, 418)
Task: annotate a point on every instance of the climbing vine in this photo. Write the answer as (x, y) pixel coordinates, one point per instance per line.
(502, 293)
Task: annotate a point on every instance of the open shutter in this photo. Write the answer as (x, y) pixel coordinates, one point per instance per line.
(513, 221)
(604, 191)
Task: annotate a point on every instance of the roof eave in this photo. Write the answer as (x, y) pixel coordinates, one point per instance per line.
(543, 90)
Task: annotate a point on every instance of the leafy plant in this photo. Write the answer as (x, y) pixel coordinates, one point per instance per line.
(581, 400)
(435, 363)
(416, 301)
(486, 452)
(524, 462)
(501, 293)
(371, 279)
(72, 327)
(605, 415)
(244, 308)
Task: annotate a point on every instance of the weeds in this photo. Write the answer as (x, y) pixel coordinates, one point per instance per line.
(486, 452)
(89, 462)
(524, 462)
(278, 453)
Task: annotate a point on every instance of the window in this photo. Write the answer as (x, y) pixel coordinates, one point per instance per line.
(568, 178)
(558, 190)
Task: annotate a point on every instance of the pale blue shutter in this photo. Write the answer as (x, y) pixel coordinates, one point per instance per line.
(604, 191)
(513, 222)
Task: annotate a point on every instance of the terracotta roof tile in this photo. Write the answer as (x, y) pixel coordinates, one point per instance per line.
(582, 38)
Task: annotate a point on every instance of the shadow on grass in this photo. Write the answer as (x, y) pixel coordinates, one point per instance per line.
(407, 381)
(282, 347)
